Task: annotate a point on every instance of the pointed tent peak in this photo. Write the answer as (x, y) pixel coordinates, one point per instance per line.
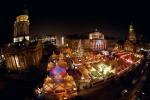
(61, 55)
(54, 56)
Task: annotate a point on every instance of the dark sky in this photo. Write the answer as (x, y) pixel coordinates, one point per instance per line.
(72, 16)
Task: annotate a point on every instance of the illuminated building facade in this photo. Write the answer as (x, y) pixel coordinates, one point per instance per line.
(22, 53)
(97, 41)
(21, 27)
(99, 44)
(96, 35)
(53, 39)
(20, 57)
(130, 44)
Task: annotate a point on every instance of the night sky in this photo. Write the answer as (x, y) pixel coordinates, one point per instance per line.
(70, 17)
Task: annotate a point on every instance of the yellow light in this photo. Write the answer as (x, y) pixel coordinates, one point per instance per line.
(65, 98)
(74, 89)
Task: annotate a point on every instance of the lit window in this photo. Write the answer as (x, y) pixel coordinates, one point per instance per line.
(15, 40)
(27, 37)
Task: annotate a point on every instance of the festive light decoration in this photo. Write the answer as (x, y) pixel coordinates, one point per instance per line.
(57, 71)
(94, 68)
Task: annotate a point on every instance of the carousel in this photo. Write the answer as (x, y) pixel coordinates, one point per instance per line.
(58, 83)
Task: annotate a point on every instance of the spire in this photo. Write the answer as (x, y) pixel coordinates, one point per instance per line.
(131, 27)
(24, 11)
(21, 25)
(23, 8)
(132, 35)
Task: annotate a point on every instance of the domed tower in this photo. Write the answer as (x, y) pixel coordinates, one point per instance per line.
(22, 54)
(132, 35)
(21, 27)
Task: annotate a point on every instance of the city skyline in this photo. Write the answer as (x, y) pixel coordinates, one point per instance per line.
(113, 18)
